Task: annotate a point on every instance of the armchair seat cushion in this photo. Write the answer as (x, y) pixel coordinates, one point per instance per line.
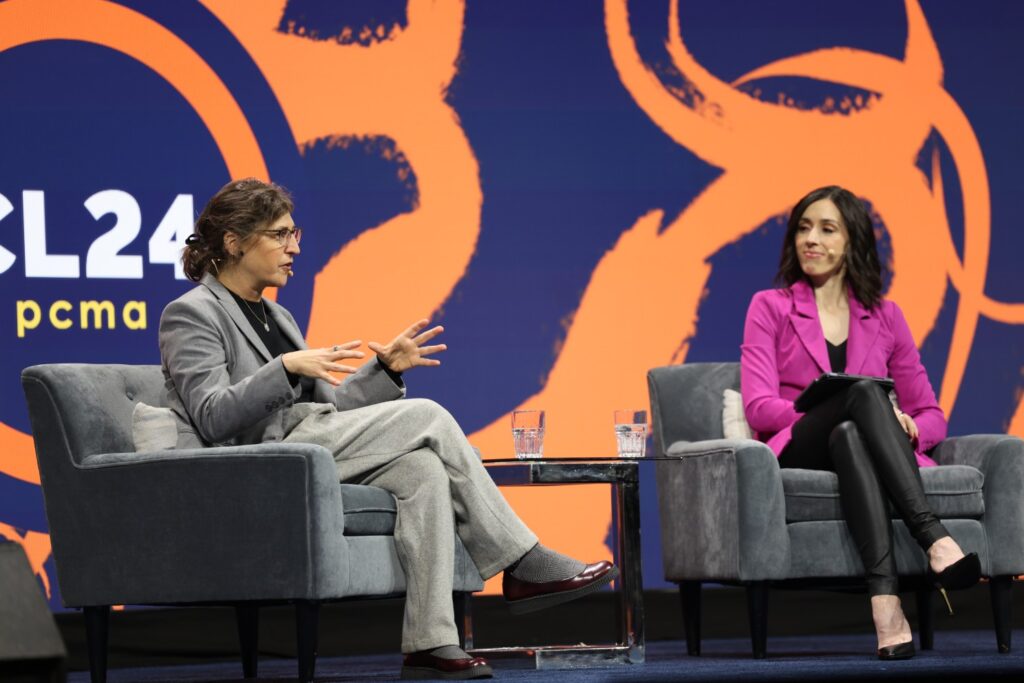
(369, 510)
(953, 492)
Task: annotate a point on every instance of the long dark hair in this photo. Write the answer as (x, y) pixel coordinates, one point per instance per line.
(863, 268)
(242, 207)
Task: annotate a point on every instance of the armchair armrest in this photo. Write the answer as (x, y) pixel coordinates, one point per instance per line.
(236, 523)
(1001, 459)
(723, 512)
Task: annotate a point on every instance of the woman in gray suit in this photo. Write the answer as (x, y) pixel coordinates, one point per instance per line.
(238, 371)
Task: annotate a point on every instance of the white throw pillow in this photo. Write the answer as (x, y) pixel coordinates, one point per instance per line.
(734, 420)
(153, 429)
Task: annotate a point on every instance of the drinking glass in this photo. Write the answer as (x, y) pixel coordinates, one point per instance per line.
(528, 434)
(631, 433)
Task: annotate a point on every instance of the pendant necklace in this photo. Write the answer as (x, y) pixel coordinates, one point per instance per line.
(265, 321)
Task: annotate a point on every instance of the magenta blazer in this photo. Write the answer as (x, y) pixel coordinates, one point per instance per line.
(784, 350)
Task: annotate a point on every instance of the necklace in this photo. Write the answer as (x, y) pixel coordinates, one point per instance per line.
(265, 321)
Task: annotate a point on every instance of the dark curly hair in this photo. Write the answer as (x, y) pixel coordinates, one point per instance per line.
(243, 207)
(863, 268)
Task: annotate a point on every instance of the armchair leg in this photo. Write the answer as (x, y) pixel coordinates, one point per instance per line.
(689, 592)
(1001, 593)
(307, 618)
(248, 617)
(464, 618)
(757, 609)
(925, 619)
(97, 620)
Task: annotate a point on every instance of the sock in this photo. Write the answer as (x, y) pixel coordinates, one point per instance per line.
(449, 652)
(541, 565)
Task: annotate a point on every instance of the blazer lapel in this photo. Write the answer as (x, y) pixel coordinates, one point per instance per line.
(804, 318)
(864, 326)
(285, 324)
(236, 315)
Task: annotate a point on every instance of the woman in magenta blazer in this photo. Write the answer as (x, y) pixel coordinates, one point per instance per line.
(831, 317)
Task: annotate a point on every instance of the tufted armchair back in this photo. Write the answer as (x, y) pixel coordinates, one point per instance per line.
(693, 393)
(87, 409)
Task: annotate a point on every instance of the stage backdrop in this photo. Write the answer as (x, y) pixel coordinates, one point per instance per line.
(578, 190)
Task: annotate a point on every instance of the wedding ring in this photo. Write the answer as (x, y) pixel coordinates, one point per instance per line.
(335, 348)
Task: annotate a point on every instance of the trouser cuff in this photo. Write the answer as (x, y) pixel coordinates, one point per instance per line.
(883, 585)
(933, 532)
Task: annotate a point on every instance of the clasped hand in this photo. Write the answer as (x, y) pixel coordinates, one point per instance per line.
(908, 424)
(407, 350)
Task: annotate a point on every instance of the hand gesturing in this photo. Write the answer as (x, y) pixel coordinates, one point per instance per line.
(407, 350)
(320, 363)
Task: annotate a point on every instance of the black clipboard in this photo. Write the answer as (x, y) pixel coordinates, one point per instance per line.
(831, 383)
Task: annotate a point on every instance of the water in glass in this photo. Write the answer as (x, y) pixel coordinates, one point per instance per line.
(632, 440)
(631, 433)
(529, 442)
(528, 434)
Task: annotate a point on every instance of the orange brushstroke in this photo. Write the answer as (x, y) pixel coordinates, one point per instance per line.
(396, 89)
(114, 26)
(18, 457)
(967, 276)
(139, 37)
(1016, 425)
(37, 549)
(876, 146)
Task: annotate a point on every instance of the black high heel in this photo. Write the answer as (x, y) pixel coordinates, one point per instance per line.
(963, 573)
(900, 651)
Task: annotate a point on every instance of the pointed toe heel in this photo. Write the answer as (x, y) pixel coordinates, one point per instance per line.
(963, 573)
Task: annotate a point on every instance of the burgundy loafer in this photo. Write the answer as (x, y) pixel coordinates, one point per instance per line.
(527, 596)
(425, 666)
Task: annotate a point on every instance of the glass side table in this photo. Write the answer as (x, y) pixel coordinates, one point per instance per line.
(623, 476)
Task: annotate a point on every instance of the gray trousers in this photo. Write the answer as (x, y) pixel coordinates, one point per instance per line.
(415, 449)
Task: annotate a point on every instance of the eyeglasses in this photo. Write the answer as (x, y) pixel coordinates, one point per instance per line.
(284, 234)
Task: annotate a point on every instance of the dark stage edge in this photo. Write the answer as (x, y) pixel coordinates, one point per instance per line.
(348, 630)
(958, 655)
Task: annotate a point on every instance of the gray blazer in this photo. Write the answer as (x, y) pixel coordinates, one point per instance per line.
(222, 384)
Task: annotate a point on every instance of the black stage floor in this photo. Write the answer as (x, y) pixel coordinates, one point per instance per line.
(812, 635)
(958, 655)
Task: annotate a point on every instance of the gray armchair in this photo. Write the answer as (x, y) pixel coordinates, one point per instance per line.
(730, 515)
(242, 526)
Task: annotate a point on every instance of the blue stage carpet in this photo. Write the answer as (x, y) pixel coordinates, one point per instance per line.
(958, 655)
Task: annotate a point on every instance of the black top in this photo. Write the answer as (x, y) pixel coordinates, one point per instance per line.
(264, 326)
(278, 344)
(836, 356)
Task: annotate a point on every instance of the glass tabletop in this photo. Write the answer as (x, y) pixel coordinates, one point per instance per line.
(569, 460)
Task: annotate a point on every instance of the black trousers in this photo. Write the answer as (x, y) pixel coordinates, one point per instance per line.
(856, 435)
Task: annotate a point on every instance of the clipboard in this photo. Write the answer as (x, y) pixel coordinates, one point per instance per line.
(831, 383)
